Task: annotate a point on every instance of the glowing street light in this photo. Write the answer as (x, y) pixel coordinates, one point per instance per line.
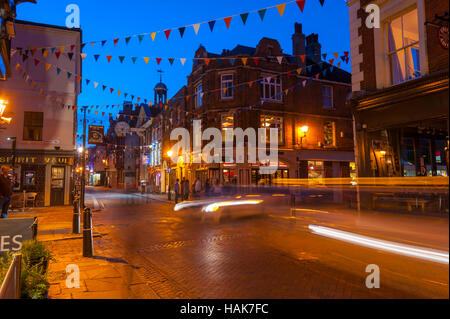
(170, 153)
(3, 104)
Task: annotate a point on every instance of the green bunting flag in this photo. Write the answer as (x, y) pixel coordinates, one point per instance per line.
(140, 37)
(244, 17)
(262, 13)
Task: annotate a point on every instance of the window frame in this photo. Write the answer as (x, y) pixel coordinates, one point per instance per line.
(40, 127)
(223, 95)
(275, 85)
(198, 100)
(333, 124)
(331, 97)
(281, 137)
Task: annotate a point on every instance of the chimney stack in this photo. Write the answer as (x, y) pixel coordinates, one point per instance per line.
(313, 48)
(298, 43)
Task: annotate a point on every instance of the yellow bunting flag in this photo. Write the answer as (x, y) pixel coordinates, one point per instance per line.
(62, 49)
(146, 60)
(118, 92)
(281, 8)
(244, 61)
(299, 70)
(44, 54)
(153, 36)
(336, 55)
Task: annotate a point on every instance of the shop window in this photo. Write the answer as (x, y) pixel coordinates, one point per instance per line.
(227, 124)
(227, 87)
(315, 169)
(30, 178)
(269, 121)
(198, 95)
(329, 134)
(271, 89)
(327, 96)
(57, 177)
(404, 47)
(32, 126)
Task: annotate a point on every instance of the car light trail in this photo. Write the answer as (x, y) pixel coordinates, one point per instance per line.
(215, 206)
(182, 205)
(428, 254)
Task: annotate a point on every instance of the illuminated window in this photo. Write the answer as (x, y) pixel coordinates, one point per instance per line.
(227, 124)
(327, 95)
(33, 123)
(315, 169)
(403, 51)
(198, 95)
(329, 134)
(227, 87)
(271, 90)
(268, 122)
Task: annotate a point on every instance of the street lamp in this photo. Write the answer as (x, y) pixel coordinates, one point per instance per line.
(3, 119)
(302, 133)
(169, 153)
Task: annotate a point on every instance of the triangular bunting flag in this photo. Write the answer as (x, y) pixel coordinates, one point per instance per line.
(58, 71)
(182, 60)
(171, 60)
(244, 17)
(127, 40)
(196, 28)
(181, 30)
(57, 54)
(115, 41)
(336, 55)
(167, 33)
(262, 13)
(121, 58)
(36, 62)
(69, 75)
(301, 4)
(83, 56)
(153, 35)
(109, 57)
(280, 59)
(256, 60)
(281, 8)
(321, 2)
(158, 60)
(47, 66)
(103, 43)
(133, 58)
(146, 59)
(140, 37)
(95, 84)
(244, 61)
(232, 61)
(227, 22)
(207, 61)
(96, 56)
(211, 24)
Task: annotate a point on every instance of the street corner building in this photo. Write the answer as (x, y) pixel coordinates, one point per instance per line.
(302, 94)
(400, 99)
(39, 143)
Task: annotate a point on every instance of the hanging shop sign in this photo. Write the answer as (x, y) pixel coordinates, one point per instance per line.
(443, 36)
(37, 160)
(96, 133)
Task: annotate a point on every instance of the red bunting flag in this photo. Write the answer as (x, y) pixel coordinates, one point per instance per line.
(79, 78)
(115, 41)
(109, 57)
(36, 62)
(303, 57)
(256, 60)
(167, 33)
(111, 89)
(57, 54)
(227, 21)
(207, 61)
(331, 61)
(158, 60)
(301, 4)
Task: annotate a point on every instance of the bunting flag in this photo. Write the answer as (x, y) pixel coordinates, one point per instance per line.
(167, 31)
(281, 8)
(196, 27)
(262, 13)
(211, 24)
(227, 22)
(181, 30)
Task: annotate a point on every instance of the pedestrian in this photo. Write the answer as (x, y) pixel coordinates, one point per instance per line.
(176, 189)
(198, 187)
(5, 191)
(207, 187)
(186, 189)
(182, 188)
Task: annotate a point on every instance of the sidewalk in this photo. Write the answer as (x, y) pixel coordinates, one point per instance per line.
(105, 276)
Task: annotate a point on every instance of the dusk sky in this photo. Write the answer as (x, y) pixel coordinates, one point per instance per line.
(106, 20)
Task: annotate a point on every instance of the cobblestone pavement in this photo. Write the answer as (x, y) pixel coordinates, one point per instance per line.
(274, 256)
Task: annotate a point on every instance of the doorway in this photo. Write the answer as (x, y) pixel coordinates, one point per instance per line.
(57, 186)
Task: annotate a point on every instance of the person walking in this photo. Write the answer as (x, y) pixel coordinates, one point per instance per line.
(182, 188)
(176, 189)
(207, 188)
(186, 189)
(5, 191)
(198, 187)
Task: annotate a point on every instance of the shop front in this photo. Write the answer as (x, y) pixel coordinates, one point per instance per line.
(48, 175)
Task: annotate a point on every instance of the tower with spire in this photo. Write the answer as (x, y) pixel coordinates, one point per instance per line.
(160, 91)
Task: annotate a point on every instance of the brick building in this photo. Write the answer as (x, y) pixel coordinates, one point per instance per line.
(400, 88)
(280, 98)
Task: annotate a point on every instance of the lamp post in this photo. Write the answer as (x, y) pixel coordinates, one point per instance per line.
(83, 162)
(13, 158)
(302, 133)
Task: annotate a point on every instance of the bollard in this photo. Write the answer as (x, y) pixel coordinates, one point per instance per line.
(88, 245)
(292, 205)
(76, 216)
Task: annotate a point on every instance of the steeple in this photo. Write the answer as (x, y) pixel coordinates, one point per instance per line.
(160, 90)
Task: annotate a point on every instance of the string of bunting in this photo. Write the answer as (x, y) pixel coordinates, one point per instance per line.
(58, 50)
(308, 68)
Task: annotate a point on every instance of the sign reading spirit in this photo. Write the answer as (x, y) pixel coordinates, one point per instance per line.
(38, 160)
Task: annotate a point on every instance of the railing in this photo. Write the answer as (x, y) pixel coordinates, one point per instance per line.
(10, 288)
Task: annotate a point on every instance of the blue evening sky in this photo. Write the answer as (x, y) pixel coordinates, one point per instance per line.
(105, 20)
